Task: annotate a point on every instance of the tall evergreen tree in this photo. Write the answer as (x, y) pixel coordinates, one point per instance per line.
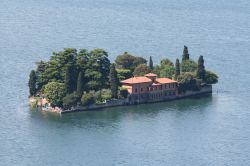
(185, 55)
(80, 83)
(201, 68)
(32, 83)
(177, 68)
(69, 79)
(113, 79)
(151, 65)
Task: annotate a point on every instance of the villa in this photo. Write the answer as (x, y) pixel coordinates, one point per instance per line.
(149, 88)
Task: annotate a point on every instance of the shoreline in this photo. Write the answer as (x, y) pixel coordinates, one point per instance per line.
(123, 102)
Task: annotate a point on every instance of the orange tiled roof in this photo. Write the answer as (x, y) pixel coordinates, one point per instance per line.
(136, 80)
(165, 80)
(151, 75)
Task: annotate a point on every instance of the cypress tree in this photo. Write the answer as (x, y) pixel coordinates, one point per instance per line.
(113, 79)
(69, 79)
(151, 65)
(80, 83)
(185, 55)
(177, 68)
(201, 68)
(32, 83)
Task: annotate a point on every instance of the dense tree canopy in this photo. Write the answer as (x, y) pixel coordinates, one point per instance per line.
(141, 70)
(210, 77)
(130, 62)
(177, 68)
(189, 66)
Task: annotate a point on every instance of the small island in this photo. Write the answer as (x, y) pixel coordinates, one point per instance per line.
(85, 80)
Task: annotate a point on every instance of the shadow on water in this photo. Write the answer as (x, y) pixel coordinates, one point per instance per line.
(115, 114)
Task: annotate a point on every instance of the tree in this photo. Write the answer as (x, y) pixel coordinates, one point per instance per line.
(80, 83)
(87, 99)
(113, 79)
(69, 80)
(177, 68)
(130, 62)
(97, 71)
(55, 93)
(151, 65)
(187, 81)
(167, 71)
(166, 62)
(201, 69)
(32, 83)
(141, 70)
(71, 100)
(185, 55)
(188, 66)
(210, 77)
(124, 74)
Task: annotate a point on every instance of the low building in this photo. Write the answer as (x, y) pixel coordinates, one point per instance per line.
(150, 88)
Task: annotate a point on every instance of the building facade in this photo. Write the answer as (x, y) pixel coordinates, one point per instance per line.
(149, 88)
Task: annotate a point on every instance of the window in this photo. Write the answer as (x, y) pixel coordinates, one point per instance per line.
(141, 89)
(135, 89)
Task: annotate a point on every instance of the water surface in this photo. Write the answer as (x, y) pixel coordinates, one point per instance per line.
(209, 130)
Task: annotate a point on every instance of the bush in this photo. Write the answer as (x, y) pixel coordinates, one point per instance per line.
(87, 99)
(124, 93)
(187, 81)
(71, 100)
(189, 66)
(210, 77)
(54, 92)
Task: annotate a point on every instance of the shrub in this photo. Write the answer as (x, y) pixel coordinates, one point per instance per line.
(71, 100)
(210, 77)
(54, 92)
(187, 81)
(87, 99)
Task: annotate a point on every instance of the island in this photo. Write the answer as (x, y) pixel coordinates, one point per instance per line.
(85, 80)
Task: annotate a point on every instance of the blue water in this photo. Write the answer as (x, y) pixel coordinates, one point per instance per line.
(211, 130)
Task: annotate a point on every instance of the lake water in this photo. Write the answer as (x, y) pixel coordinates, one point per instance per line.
(209, 130)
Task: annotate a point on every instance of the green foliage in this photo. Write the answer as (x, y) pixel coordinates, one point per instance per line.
(69, 81)
(141, 70)
(123, 92)
(97, 71)
(124, 74)
(87, 99)
(210, 77)
(55, 92)
(177, 68)
(71, 100)
(188, 66)
(113, 79)
(130, 62)
(166, 62)
(185, 55)
(80, 83)
(187, 81)
(201, 69)
(167, 71)
(32, 83)
(151, 65)
(102, 95)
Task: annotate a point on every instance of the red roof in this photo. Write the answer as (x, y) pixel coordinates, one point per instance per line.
(136, 80)
(165, 80)
(151, 75)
